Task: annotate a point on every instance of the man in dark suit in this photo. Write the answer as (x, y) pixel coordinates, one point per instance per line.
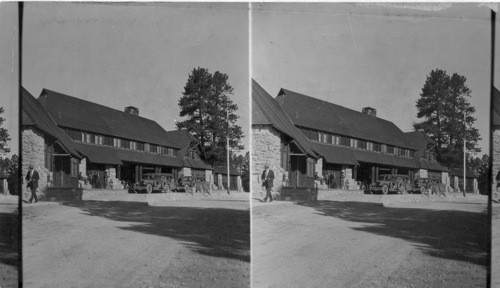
(32, 178)
(267, 181)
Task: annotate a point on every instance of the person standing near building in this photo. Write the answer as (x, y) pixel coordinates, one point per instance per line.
(267, 181)
(32, 178)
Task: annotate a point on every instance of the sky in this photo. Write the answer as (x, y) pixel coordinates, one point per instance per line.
(371, 55)
(9, 71)
(135, 54)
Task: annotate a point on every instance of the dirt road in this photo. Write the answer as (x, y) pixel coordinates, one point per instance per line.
(131, 244)
(357, 242)
(9, 257)
(495, 247)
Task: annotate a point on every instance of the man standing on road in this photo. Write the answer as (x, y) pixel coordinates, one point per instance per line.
(32, 178)
(267, 181)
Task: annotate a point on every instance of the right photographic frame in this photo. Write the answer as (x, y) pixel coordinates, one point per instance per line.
(371, 159)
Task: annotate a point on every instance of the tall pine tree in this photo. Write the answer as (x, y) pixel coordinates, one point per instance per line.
(204, 103)
(4, 136)
(442, 106)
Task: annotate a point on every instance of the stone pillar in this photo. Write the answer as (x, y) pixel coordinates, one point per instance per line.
(219, 181)
(112, 178)
(208, 177)
(353, 185)
(33, 153)
(266, 145)
(186, 171)
(319, 167)
(455, 184)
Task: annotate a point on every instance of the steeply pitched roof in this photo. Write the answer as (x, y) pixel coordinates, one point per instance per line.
(317, 114)
(420, 140)
(34, 114)
(80, 114)
(496, 106)
(270, 112)
(182, 138)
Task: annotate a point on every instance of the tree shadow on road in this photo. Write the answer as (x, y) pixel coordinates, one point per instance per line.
(217, 232)
(448, 234)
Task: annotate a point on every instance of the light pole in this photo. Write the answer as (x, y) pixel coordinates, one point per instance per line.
(227, 143)
(465, 152)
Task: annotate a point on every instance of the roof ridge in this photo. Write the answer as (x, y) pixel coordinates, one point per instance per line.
(337, 105)
(96, 104)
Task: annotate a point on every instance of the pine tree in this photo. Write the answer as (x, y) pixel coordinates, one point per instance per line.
(442, 105)
(4, 136)
(205, 100)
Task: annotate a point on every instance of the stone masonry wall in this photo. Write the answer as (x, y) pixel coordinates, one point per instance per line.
(33, 153)
(266, 143)
(496, 156)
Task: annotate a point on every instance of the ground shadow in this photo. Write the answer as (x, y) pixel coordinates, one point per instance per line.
(448, 234)
(218, 232)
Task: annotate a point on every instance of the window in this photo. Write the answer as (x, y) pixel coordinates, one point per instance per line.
(369, 146)
(140, 146)
(133, 145)
(314, 135)
(117, 142)
(390, 149)
(377, 147)
(74, 168)
(310, 167)
(383, 148)
(153, 148)
(362, 144)
(284, 154)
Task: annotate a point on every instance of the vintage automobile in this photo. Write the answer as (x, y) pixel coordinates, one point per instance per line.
(420, 185)
(192, 184)
(390, 183)
(150, 182)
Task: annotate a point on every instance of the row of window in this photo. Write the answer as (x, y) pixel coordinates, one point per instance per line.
(339, 140)
(92, 138)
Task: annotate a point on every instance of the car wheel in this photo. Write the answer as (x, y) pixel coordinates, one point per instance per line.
(149, 188)
(385, 189)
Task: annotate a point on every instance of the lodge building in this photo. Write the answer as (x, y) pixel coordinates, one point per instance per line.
(355, 146)
(78, 138)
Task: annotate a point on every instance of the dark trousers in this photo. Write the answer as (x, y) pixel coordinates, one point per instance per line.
(33, 195)
(268, 194)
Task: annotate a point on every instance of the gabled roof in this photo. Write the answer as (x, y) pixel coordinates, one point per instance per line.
(182, 138)
(269, 112)
(420, 140)
(496, 106)
(34, 114)
(317, 114)
(80, 114)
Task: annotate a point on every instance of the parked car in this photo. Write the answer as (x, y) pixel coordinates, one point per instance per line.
(193, 184)
(420, 185)
(390, 183)
(150, 182)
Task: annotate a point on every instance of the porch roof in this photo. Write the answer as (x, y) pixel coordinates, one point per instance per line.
(335, 154)
(113, 156)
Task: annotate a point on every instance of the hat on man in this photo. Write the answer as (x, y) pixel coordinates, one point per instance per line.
(266, 166)
(31, 167)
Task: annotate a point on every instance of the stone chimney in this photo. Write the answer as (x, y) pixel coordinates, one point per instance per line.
(132, 110)
(369, 111)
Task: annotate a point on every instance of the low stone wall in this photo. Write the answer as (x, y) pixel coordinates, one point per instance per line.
(388, 200)
(154, 198)
(62, 194)
(9, 229)
(93, 193)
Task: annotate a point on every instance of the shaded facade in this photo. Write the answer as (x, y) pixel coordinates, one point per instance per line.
(47, 147)
(278, 143)
(355, 146)
(333, 146)
(118, 147)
